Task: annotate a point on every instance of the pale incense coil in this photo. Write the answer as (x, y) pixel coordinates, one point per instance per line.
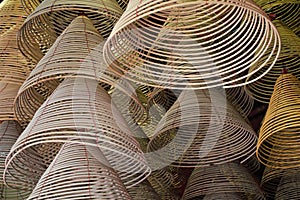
(9, 132)
(289, 58)
(219, 179)
(191, 41)
(87, 116)
(287, 11)
(8, 92)
(79, 172)
(289, 186)
(76, 52)
(202, 128)
(14, 67)
(277, 145)
(51, 17)
(242, 101)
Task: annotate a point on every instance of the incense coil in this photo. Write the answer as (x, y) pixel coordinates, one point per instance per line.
(242, 102)
(219, 179)
(225, 196)
(123, 3)
(289, 58)
(79, 172)
(87, 116)
(193, 42)
(286, 11)
(270, 181)
(76, 53)
(9, 133)
(202, 128)
(143, 191)
(14, 67)
(51, 17)
(12, 15)
(277, 145)
(289, 186)
(8, 92)
(30, 5)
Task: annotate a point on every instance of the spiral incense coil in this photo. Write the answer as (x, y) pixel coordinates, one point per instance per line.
(77, 173)
(200, 43)
(252, 164)
(219, 179)
(76, 53)
(8, 92)
(30, 5)
(224, 196)
(289, 58)
(123, 3)
(14, 67)
(201, 128)
(9, 132)
(284, 10)
(143, 191)
(87, 116)
(12, 15)
(289, 186)
(278, 140)
(270, 181)
(242, 102)
(51, 18)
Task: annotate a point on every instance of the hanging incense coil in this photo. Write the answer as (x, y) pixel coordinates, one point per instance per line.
(270, 181)
(123, 3)
(195, 43)
(9, 132)
(289, 186)
(51, 17)
(202, 128)
(143, 191)
(289, 58)
(287, 11)
(77, 173)
(225, 196)
(76, 53)
(14, 67)
(242, 102)
(277, 145)
(87, 116)
(252, 164)
(219, 179)
(8, 92)
(30, 5)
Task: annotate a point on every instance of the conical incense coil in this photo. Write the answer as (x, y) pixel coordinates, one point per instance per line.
(219, 179)
(277, 145)
(287, 11)
(270, 181)
(200, 43)
(12, 15)
(9, 132)
(87, 116)
(30, 5)
(289, 186)
(123, 3)
(51, 18)
(289, 58)
(76, 53)
(143, 191)
(202, 128)
(14, 67)
(8, 92)
(225, 196)
(79, 172)
(240, 100)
